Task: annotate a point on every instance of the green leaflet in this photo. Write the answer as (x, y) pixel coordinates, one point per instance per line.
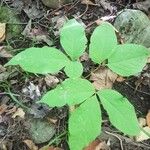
(121, 112)
(40, 60)
(73, 39)
(71, 92)
(103, 40)
(128, 59)
(74, 69)
(84, 124)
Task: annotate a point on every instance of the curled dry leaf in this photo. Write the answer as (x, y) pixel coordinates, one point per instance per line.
(51, 81)
(84, 57)
(19, 113)
(103, 78)
(148, 119)
(30, 144)
(97, 145)
(2, 32)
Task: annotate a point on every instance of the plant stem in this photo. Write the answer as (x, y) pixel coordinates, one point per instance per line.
(16, 101)
(55, 139)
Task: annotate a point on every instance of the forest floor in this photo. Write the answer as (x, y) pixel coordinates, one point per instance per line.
(41, 27)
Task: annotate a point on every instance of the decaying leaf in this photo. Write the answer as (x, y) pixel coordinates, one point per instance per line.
(4, 53)
(33, 11)
(142, 136)
(87, 2)
(36, 34)
(97, 145)
(148, 119)
(103, 78)
(30, 144)
(3, 108)
(84, 57)
(50, 148)
(19, 113)
(2, 31)
(105, 4)
(51, 81)
(32, 91)
(144, 6)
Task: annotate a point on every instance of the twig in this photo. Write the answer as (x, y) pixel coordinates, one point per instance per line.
(137, 89)
(55, 139)
(92, 72)
(16, 101)
(87, 7)
(115, 135)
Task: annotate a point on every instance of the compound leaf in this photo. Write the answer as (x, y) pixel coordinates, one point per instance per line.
(128, 59)
(73, 39)
(84, 124)
(40, 60)
(121, 112)
(74, 69)
(103, 40)
(71, 92)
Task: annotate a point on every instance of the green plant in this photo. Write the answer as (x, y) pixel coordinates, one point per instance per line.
(85, 121)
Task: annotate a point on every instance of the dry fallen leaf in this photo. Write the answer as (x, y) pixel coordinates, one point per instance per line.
(50, 148)
(3, 108)
(4, 53)
(144, 6)
(142, 136)
(97, 145)
(87, 2)
(103, 78)
(148, 119)
(30, 144)
(105, 4)
(2, 32)
(51, 81)
(84, 57)
(19, 113)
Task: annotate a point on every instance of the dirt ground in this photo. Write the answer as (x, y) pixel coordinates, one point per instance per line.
(14, 130)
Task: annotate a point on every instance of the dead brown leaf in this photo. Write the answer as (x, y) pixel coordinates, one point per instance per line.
(2, 32)
(97, 145)
(105, 4)
(51, 81)
(148, 119)
(36, 34)
(50, 148)
(11, 110)
(3, 108)
(4, 52)
(103, 78)
(87, 2)
(84, 57)
(19, 113)
(30, 144)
